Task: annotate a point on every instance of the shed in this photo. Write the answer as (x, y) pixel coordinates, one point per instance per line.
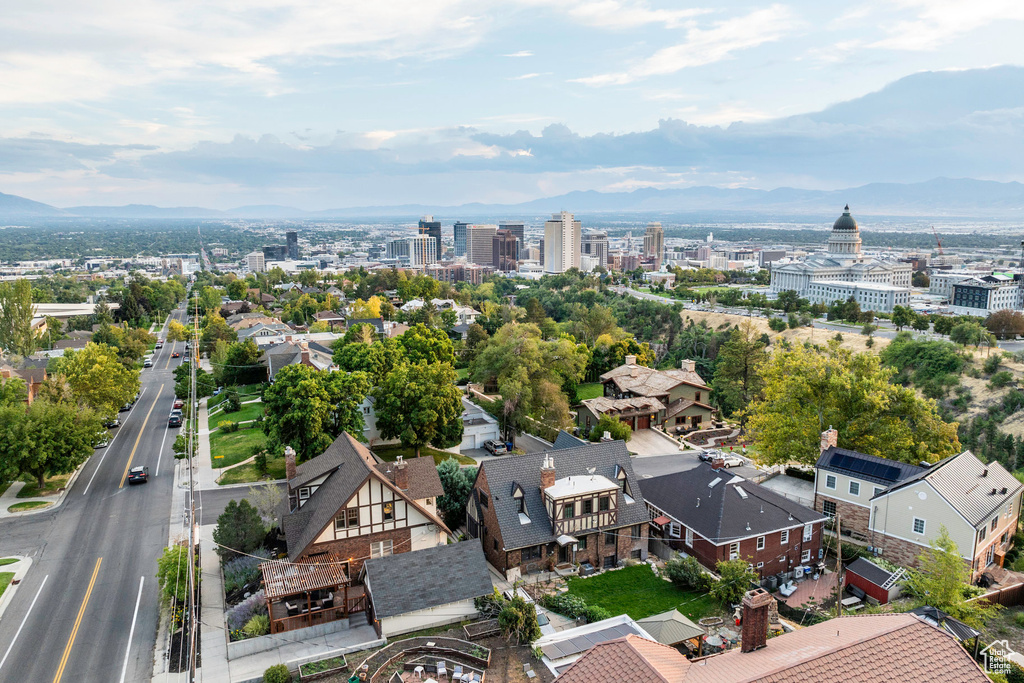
(426, 588)
(877, 582)
(673, 628)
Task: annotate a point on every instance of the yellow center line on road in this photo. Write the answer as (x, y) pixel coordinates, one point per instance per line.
(142, 429)
(78, 622)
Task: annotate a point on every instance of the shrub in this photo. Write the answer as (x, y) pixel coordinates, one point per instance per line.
(260, 462)
(736, 579)
(239, 529)
(1001, 379)
(617, 428)
(257, 626)
(593, 613)
(799, 473)
(518, 620)
(991, 364)
(687, 573)
(1018, 619)
(277, 674)
(227, 426)
(566, 604)
(232, 402)
(794, 321)
(172, 573)
(239, 615)
(838, 337)
(243, 570)
(777, 324)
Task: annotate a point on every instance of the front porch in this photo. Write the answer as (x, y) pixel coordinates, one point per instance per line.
(309, 592)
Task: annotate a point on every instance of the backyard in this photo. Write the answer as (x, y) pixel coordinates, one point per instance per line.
(248, 473)
(228, 448)
(248, 412)
(591, 390)
(391, 453)
(636, 591)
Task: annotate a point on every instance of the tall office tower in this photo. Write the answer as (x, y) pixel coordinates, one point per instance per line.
(422, 250)
(292, 240)
(460, 238)
(428, 226)
(654, 243)
(595, 245)
(479, 248)
(398, 248)
(517, 228)
(561, 243)
(256, 262)
(275, 252)
(505, 250)
(540, 248)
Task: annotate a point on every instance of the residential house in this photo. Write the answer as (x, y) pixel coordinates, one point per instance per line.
(312, 354)
(348, 503)
(573, 505)
(33, 377)
(263, 330)
(716, 516)
(643, 397)
(412, 591)
(478, 426)
(331, 318)
(560, 649)
(876, 648)
(241, 321)
(65, 344)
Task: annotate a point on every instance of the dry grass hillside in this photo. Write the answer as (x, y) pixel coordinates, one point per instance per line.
(852, 339)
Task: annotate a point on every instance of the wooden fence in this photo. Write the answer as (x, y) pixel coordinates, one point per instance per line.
(1011, 596)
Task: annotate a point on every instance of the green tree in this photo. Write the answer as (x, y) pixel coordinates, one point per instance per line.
(172, 573)
(476, 337)
(921, 323)
(298, 410)
(457, 484)
(965, 333)
(205, 382)
(920, 279)
(423, 344)
(420, 405)
(346, 393)
(176, 332)
(943, 324)
(616, 428)
(777, 324)
(242, 363)
(735, 578)
(807, 391)
(902, 316)
(376, 358)
(215, 329)
(239, 530)
(209, 300)
(13, 391)
(58, 438)
(16, 312)
(518, 621)
(97, 378)
(737, 380)
(1005, 324)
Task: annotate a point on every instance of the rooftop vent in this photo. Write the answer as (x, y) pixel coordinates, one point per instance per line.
(714, 482)
(743, 494)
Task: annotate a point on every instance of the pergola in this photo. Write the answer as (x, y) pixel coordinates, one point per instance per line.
(302, 594)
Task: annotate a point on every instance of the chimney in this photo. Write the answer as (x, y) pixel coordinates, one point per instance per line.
(754, 633)
(631, 360)
(717, 463)
(289, 463)
(688, 365)
(829, 437)
(401, 474)
(547, 473)
(984, 472)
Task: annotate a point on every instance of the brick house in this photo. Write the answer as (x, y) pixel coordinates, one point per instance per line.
(716, 516)
(347, 502)
(577, 504)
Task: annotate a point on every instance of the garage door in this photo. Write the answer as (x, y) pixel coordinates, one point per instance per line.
(643, 422)
(469, 440)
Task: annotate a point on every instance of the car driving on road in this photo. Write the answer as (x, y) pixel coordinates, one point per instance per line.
(138, 475)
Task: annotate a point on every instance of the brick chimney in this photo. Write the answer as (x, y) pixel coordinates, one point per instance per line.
(717, 463)
(289, 462)
(547, 473)
(829, 437)
(631, 360)
(754, 632)
(401, 474)
(688, 366)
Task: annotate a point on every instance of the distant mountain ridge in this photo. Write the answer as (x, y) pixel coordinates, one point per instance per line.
(940, 197)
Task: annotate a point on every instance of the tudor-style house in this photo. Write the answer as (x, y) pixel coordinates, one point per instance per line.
(572, 505)
(717, 516)
(346, 502)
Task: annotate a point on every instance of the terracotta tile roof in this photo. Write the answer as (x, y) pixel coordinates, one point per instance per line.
(645, 381)
(631, 658)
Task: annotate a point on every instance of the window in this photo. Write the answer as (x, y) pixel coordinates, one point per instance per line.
(829, 507)
(366, 410)
(854, 488)
(609, 562)
(689, 536)
(568, 510)
(734, 551)
(981, 532)
(919, 525)
(588, 506)
(348, 519)
(808, 531)
(635, 554)
(784, 537)
(995, 522)
(429, 501)
(532, 553)
(495, 542)
(588, 423)
(878, 490)
(1009, 509)
(1002, 539)
(674, 529)
(696, 397)
(609, 538)
(304, 493)
(483, 499)
(521, 505)
(760, 542)
(389, 511)
(603, 504)
(638, 531)
(582, 545)
(381, 548)
(830, 481)
(805, 556)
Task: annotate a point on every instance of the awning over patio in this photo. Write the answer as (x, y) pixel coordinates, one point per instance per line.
(566, 539)
(281, 579)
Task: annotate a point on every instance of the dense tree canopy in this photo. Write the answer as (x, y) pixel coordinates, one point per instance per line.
(16, 312)
(737, 380)
(97, 377)
(420, 405)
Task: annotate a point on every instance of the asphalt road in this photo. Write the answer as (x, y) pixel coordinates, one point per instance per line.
(88, 608)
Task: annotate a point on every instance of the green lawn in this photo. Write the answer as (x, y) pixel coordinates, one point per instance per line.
(244, 390)
(5, 580)
(461, 373)
(636, 591)
(29, 505)
(234, 447)
(249, 411)
(50, 487)
(391, 453)
(7, 560)
(247, 473)
(592, 390)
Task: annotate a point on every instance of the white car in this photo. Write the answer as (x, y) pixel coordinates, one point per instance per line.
(732, 461)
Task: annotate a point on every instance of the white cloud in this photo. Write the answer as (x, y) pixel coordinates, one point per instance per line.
(706, 46)
(938, 21)
(615, 14)
(521, 53)
(526, 77)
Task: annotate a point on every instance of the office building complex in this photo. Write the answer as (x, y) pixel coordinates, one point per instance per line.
(256, 262)
(460, 238)
(654, 243)
(428, 226)
(422, 250)
(479, 244)
(505, 250)
(561, 243)
(517, 228)
(292, 241)
(398, 249)
(595, 245)
(275, 252)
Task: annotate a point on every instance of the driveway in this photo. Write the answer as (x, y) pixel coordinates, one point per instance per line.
(657, 466)
(798, 490)
(646, 443)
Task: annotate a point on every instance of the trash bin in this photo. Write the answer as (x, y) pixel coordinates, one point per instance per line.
(773, 582)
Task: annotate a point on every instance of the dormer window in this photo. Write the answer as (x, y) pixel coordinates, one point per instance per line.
(520, 498)
(304, 493)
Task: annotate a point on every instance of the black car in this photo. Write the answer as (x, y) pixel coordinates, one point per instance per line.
(174, 421)
(138, 475)
(125, 407)
(111, 424)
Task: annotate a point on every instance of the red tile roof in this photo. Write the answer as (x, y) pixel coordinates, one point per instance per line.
(630, 658)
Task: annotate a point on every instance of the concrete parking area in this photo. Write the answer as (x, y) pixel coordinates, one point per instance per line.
(648, 442)
(657, 466)
(797, 490)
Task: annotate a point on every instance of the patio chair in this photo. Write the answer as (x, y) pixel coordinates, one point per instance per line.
(292, 608)
(442, 670)
(457, 673)
(787, 589)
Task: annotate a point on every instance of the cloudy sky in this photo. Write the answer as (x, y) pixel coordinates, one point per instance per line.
(318, 104)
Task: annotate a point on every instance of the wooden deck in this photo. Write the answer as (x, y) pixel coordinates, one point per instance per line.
(281, 621)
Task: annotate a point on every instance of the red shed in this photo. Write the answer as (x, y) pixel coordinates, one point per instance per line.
(875, 581)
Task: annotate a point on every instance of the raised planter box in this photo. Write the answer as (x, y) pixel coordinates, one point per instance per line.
(316, 676)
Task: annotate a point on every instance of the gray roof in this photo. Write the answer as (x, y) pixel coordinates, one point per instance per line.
(524, 470)
(720, 513)
(936, 617)
(968, 485)
(566, 440)
(867, 467)
(671, 627)
(869, 570)
(421, 579)
(376, 322)
(845, 222)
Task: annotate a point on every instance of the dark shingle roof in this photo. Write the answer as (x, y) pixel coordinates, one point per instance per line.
(422, 579)
(869, 570)
(524, 470)
(867, 467)
(566, 440)
(424, 481)
(720, 513)
(936, 617)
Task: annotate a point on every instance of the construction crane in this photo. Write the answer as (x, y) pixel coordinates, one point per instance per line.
(937, 240)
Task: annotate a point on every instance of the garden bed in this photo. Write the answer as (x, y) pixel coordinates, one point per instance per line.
(481, 629)
(323, 668)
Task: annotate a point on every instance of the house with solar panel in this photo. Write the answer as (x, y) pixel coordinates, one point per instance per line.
(897, 509)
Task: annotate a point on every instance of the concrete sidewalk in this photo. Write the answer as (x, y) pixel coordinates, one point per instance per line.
(204, 473)
(10, 497)
(20, 569)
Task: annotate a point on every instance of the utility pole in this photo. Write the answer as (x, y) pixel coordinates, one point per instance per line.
(839, 565)
(193, 611)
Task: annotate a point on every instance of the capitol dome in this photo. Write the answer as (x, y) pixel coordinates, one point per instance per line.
(845, 222)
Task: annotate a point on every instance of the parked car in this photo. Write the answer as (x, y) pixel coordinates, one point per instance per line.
(709, 455)
(216, 392)
(110, 424)
(102, 440)
(138, 475)
(495, 447)
(731, 461)
(147, 362)
(126, 407)
(174, 421)
(178, 403)
(159, 345)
